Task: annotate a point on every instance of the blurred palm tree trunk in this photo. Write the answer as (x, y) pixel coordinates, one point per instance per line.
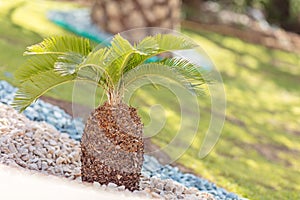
(116, 16)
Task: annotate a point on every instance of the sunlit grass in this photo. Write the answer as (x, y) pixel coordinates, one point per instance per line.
(24, 23)
(259, 97)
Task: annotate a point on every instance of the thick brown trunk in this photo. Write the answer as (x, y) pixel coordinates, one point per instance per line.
(112, 146)
(115, 16)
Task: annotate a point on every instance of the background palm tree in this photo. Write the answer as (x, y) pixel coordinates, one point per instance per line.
(116, 16)
(112, 144)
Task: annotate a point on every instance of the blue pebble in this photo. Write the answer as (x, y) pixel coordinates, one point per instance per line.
(222, 191)
(45, 110)
(213, 192)
(231, 196)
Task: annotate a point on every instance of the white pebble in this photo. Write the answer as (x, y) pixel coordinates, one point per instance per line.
(112, 185)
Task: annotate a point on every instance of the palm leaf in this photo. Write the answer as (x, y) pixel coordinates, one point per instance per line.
(61, 52)
(34, 66)
(38, 84)
(115, 58)
(160, 71)
(97, 57)
(170, 42)
(190, 71)
(59, 60)
(98, 62)
(159, 43)
(119, 53)
(60, 45)
(148, 46)
(68, 63)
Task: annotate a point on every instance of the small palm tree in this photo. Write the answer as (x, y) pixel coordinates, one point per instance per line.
(112, 145)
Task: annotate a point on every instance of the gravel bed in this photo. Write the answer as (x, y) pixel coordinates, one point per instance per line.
(38, 146)
(64, 123)
(42, 111)
(153, 168)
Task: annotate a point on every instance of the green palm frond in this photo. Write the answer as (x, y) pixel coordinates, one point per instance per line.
(190, 71)
(119, 48)
(160, 43)
(159, 71)
(61, 52)
(59, 60)
(39, 84)
(96, 61)
(51, 63)
(34, 66)
(170, 42)
(60, 45)
(148, 46)
(67, 64)
(93, 69)
(122, 53)
(97, 57)
(119, 53)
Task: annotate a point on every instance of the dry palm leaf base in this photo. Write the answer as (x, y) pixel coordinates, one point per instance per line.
(112, 146)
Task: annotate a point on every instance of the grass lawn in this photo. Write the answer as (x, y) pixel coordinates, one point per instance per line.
(258, 154)
(24, 23)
